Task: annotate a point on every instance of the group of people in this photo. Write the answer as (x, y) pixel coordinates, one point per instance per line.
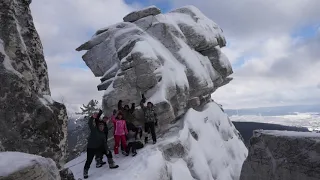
(130, 136)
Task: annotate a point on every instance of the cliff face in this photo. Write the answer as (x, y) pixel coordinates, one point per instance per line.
(173, 58)
(30, 121)
(282, 155)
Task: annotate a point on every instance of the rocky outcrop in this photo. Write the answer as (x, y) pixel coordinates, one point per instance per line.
(30, 121)
(136, 15)
(173, 58)
(282, 155)
(21, 166)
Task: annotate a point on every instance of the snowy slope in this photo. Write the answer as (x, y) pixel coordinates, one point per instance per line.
(203, 145)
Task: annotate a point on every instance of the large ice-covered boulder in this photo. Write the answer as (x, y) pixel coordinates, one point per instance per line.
(22, 166)
(282, 155)
(173, 58)
(203, 145)
(30, 121)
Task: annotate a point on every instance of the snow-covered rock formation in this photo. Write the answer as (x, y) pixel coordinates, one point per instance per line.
(30, 121)
(21, 166)
(203, 145)
(173, 58)
(282, 155)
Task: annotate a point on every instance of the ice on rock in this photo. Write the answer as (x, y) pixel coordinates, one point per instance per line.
(203, 145)
(173, 58)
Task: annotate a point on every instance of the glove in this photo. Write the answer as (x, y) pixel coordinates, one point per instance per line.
(99, 114)
(114, 112)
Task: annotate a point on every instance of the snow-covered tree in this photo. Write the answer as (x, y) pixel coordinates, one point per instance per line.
(90, 108)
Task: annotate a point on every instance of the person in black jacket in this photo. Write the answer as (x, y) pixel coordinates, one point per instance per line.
(99, 156)
(97, 144)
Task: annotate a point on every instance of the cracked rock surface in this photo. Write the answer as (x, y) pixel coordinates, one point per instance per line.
(282, 155)
(175, 59)
(30, 121)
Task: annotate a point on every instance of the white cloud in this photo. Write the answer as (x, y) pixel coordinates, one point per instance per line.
(63, 25)
(285, 72)
(278, 69)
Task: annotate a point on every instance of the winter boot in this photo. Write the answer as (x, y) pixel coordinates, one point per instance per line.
(125, 153)
(146, 140)
(100, 163)
(85, 173)
(154, 142)
(112, 164)
(134, 154)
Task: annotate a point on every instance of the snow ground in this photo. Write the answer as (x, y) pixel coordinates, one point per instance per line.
(214, 153)
(130, 167)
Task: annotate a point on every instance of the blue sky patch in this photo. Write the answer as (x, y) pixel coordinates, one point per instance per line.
(306, 32)
(75, 64)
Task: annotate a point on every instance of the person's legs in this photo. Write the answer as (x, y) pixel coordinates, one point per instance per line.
(129, 147)
(112, 164)
(134, 147)
(116, 144)
(90, 155)
(124, 142)
(99, 157)
(153, 132)
(108, 154)
(146, 130)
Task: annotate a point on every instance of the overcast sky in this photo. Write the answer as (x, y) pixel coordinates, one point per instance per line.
(274, 46)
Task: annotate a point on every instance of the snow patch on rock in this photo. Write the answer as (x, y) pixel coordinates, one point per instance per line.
(21, 166)
(6, 61)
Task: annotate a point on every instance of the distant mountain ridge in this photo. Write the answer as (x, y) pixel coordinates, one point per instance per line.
(275, 111)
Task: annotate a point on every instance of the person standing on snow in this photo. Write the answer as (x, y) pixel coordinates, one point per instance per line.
(96, 144)
(120, 132)
(151, 119)
(99, 157)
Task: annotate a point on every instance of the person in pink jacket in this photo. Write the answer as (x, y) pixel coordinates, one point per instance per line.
(120, 132)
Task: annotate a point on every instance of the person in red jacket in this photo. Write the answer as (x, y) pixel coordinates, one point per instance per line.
(120, 132)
